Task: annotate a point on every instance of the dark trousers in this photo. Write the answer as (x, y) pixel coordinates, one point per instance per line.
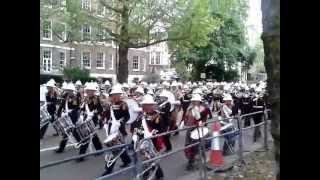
(124, 157)
(167, 143)
(83, 148)
(158, 175)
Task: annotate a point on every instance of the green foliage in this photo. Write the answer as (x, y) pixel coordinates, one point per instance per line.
(74, 74)
(226, 45)
(181, 70)
(151, 78)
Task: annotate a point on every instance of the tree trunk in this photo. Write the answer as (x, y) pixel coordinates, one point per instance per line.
(122, 72)
(271, 42)
(122, 75)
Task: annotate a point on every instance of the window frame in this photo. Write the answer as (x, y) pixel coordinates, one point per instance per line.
(83, 32)
(135, 69)
(65, 59)
(103, 61)
(45, 68)
(112, 63)
(103, 11)
(45, 38)
(89, 4)
(156, 55)
(82, 64)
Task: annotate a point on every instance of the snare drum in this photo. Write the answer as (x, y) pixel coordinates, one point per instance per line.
(44, 117)
(85, 129)
(63, 125)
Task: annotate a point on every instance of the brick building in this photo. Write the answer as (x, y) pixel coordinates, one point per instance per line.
(100, 58)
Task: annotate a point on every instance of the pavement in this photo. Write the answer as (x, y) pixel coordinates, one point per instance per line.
(90, 169)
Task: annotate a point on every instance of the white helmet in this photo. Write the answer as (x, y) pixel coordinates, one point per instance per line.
(165, 93)
(165, 84)
(70, 86)
(197, 91)
(148, 99)
(91, 86)
(125, 85)
(139, 90)
(196, 97)
(78, 83)
(116, 89)
(107, 83)
(227, 97)
(174, 84)
(150, 91)
(50, 84)
(64, 85)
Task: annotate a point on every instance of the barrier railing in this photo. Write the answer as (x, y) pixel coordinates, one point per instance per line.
(202, 149)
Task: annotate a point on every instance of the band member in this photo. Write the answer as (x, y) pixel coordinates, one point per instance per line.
(195, 115)
(118, 111)
(258, 105)
(72, 102)
(149, 123)
(166, 108)
(51, 101)
(226, 112)
(246, 107)
(94, 104)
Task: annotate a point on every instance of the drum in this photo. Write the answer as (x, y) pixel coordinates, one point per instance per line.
(44, 117)
(199, 133)
(85, 129)
(63, 125)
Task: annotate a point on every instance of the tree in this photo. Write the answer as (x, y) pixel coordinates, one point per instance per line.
(74, 74)
(271, 42)
(138, 24)
(226, 46)
(182, 71)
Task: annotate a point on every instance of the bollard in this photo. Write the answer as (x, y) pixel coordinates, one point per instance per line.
(240, 152)
(265, 118)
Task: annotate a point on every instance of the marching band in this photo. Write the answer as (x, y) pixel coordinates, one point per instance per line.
(130, 113)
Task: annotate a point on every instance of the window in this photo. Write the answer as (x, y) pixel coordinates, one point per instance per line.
(100, 34)
(152, 59)
(86, 32)
(62, 60)
(101, 10)
(100, 60)
(47, 30)
(111, 61)
(135, 63)
(86, 63)
(157, 57)
(86, 4)
(144, 63)
(47, 61)
(62, 32)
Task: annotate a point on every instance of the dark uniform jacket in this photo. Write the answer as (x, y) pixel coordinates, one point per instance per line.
(120, 110)
(51, 102)
(73, 105)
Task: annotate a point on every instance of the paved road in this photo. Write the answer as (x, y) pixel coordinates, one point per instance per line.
(173, 166)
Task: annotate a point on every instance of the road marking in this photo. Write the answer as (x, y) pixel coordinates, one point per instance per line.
(55, 147)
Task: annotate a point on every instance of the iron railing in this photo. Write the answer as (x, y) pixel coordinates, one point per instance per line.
(202, 149)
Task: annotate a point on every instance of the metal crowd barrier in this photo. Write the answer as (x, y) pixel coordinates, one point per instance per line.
(203, 171)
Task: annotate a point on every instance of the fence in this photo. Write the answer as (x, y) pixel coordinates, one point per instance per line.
(138, 163)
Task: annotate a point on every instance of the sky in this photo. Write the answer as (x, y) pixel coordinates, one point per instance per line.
(254, 21)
